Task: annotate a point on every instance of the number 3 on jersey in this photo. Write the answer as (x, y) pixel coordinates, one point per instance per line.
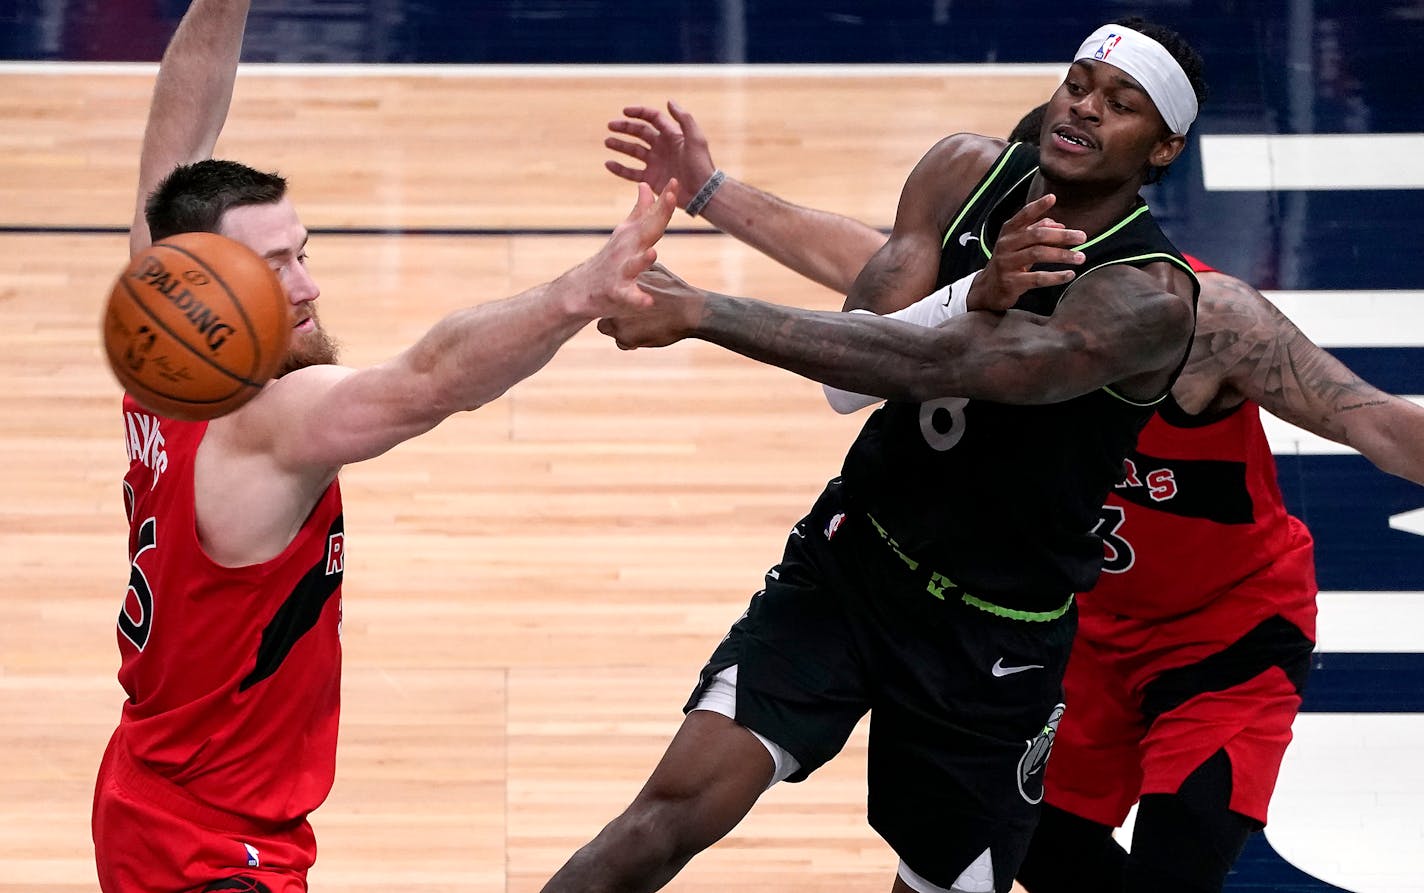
(137, 630)
(1117, 552)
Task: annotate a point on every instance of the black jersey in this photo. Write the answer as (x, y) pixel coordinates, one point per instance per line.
(1001, 500)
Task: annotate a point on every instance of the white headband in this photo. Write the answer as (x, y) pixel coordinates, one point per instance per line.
(1149, 63)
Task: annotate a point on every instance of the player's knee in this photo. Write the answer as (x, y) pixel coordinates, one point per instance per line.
(1178, 847)
(1070, 853)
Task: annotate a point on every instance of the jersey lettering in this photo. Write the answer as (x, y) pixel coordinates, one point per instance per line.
(138, 630)
(1117, 552)
(1161, 485)
(335, 553)
(144, 442)
(942, 422)
(1129, 478)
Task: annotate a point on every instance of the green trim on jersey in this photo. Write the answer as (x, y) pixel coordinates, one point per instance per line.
(988, 181)
(1012, 614)
(1133, 215)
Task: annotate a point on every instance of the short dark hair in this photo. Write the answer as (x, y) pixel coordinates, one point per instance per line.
(1188, 58)
(194, 197)
(1029, 127)
(1177, 45)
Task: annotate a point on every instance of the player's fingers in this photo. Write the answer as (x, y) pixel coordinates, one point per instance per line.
(1026, 239)
(667, 202)
(1045, 254)
(638, 264)
(655, 219)
(1031, 212)
(627, 173)
(1051, 232)
(640, 129)
(633, 150)
(641, 112)
(660, 120)
(1045, 278)
(689, 125)
(643, 203)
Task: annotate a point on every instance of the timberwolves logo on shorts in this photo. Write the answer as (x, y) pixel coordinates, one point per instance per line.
(1035, 758)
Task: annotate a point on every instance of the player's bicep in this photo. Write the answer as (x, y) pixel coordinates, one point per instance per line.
(906, 268)
(1265, 358)
(1115, 327)
(901, 272)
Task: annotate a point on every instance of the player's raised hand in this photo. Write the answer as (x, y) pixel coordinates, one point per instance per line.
(612, 273)
(1027, 239)
(670, 146)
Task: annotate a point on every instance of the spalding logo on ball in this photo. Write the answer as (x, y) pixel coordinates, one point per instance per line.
(195, 326)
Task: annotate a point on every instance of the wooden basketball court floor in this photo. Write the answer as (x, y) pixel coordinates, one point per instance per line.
(532, 587)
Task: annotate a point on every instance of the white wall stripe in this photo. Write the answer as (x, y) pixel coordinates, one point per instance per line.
(273, 69)
(1371, 621)
(1356, 318)
(1313, 161)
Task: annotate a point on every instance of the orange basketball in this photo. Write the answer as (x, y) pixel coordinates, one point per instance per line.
(195, 326)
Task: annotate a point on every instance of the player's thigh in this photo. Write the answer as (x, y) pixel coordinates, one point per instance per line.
(958, 749)
(1096, 770)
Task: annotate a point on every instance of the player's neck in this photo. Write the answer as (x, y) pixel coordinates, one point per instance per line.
(1088, 207)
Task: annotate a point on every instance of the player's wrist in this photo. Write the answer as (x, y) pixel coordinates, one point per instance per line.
(699, 201)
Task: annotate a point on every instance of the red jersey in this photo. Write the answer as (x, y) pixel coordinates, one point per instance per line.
(1198, 513)
(232, 674)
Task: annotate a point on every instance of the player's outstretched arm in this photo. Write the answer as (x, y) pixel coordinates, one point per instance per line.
(1264, 357)
(191, 97)
(1118, 326)
(314, 420)
(824, 247)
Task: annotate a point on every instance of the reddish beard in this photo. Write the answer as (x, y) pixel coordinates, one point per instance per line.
(314, 348)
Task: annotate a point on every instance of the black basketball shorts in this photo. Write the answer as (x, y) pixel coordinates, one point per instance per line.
(964, 704)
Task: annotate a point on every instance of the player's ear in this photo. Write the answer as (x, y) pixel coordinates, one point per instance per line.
(1166, 151)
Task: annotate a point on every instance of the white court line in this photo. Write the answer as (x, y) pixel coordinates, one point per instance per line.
(1313, 161)
(571, 70)
(1346, 808)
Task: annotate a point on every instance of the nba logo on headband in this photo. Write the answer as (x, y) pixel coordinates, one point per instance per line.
(1158, 73)
(1109, 43)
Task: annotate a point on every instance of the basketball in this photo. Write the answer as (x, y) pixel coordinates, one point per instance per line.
(195, 326)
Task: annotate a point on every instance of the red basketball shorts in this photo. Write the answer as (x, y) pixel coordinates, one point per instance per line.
(150, 836)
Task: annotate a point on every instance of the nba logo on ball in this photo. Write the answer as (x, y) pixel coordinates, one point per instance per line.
(195, 326)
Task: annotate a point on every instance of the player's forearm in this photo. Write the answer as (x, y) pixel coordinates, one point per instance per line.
(473, 356)
(191, 95)
(967, 357)
(1389, 433)
(824, 247)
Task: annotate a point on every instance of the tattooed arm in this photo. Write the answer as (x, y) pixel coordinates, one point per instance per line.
(1253, 351)
(1118, 325)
